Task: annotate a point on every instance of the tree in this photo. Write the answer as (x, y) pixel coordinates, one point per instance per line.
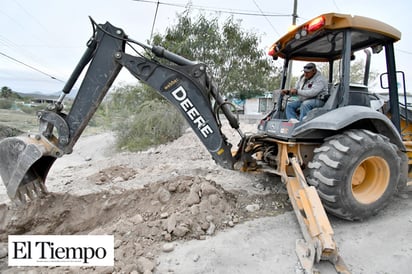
(357, 71)
(6, 92)
(233, 57)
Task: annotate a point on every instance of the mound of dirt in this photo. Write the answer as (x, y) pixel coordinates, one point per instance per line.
(144, 221)
(6, 131)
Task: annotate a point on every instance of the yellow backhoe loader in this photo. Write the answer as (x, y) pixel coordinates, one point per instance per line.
(346, 157)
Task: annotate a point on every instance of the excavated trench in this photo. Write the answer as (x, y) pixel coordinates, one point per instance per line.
(142, 220)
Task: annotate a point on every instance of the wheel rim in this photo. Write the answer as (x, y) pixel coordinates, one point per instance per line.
(370, 179)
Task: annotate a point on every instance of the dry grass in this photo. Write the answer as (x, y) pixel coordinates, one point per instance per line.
(18, 120)
(15, 122)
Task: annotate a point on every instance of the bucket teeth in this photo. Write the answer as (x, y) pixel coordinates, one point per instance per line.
(39, 188)
(29, 192)
(20, 198)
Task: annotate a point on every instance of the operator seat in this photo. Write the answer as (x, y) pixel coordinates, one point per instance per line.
(358, 95)
(332, 101)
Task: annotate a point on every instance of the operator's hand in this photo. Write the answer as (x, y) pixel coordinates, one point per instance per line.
(285, 91)
(293, 91)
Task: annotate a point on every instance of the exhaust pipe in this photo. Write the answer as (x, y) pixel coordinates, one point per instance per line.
(24, 164)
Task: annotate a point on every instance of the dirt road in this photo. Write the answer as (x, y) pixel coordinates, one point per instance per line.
(266, 245)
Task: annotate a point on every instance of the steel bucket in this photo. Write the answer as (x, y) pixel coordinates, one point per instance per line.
(24, 164)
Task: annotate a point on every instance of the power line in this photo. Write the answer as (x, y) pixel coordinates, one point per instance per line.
(31, 67)
(9, 43)
(404, 51)
(221, 10)
(336, 6)
(33, 18)
(270, 23)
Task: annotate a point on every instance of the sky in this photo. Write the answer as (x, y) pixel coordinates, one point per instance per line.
(41, 41)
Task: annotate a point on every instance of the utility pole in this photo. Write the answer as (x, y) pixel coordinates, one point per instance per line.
(295, 12)
(294, 16)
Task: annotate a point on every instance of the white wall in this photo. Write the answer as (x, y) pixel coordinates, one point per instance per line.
(252, 106)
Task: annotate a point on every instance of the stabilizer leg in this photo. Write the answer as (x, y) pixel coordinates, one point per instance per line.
(318, 243)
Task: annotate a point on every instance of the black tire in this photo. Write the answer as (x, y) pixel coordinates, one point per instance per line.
(355, 173)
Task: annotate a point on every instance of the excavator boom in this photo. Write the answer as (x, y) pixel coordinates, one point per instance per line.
(27, 159)
(184, 84)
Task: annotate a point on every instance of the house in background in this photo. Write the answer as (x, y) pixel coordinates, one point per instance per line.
(260, 105)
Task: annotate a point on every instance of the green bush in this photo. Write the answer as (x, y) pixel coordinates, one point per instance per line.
(6, 103)
(155, 122)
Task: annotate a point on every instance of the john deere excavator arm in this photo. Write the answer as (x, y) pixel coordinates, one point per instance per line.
(27, 159)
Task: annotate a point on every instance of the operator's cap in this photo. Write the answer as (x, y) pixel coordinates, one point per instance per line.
(308, 67)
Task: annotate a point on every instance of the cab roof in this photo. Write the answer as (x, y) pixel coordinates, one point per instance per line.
(321, 39)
